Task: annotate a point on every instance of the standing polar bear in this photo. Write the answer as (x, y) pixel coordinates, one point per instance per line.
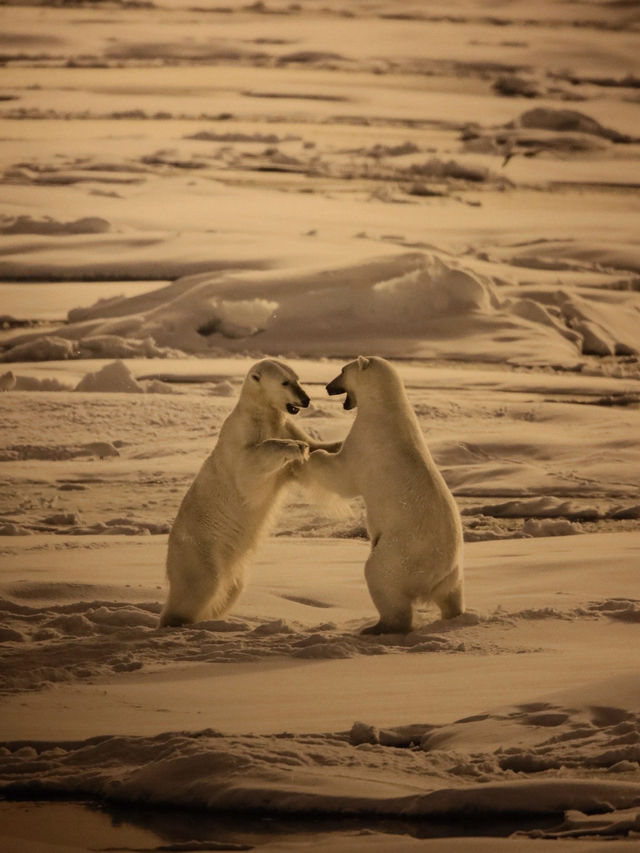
(413, 520)
(229, 503)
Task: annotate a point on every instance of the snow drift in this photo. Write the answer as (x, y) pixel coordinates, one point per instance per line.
(59, 348)
(415, 304)
(565, 756)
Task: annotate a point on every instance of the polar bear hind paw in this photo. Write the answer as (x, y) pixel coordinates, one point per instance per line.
(174, 620)
(452, 604)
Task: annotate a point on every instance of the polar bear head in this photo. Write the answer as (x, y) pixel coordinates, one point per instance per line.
(370, 378)
(274, 384)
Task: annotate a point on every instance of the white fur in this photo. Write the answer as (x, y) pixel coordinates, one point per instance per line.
(413, 520)
(229, 503)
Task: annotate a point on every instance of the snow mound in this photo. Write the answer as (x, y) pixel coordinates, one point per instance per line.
(112, 377)
(603, 331)
(529, 141)
(413, 305)
(79, 634)
(7, 381)
(517, 85)
(241, 318)
(617, 256)
(115, 346)
(577, 824)
(421, 304)
(620, 609)
(562, 757)
(549, 527)
(42, 348)
(77, 649)
(121, 527)
(57, 452)
(565, 120)
(156, 386)
(101, 449)
(379, 150)
(57, 348)
(35, 383)
(9, 528)
(546, 506)
(48, 226)
(117, 377)
(212, 136)
(223, 389)
(436, 168)
(437, 290)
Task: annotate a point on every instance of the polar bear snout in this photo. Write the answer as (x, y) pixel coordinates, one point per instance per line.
(303, 397)
(301, 403)
(336, 387)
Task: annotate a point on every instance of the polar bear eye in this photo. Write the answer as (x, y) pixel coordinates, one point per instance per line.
(286, 382)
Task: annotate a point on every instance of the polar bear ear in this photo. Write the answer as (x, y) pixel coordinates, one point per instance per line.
(363, 362)
(256, 377)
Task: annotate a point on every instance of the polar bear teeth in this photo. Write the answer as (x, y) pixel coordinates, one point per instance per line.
(293, 410)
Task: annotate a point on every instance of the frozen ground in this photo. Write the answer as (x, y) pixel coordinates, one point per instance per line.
(187, 187)
(281, 707)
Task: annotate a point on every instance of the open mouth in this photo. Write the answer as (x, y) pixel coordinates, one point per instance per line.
(293, 410)
(335, 387)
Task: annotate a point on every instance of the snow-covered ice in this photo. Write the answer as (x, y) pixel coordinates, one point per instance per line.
(186, 189)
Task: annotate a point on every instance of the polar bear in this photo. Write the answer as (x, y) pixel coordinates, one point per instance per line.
(231, 499)
(413, 521)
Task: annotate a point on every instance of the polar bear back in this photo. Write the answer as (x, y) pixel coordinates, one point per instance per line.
(403, 489)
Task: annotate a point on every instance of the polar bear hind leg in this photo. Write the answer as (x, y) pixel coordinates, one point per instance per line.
(185, 609)
(173, 616)
(226, 602)
(449, 595)
(197, 594)
(394, 606)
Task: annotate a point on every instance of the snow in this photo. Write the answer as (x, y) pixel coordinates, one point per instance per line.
(112, 377)
(7, 381)
(185, 190)
(417, 305)
(28, 225)
(42, 348)
(568, 742)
